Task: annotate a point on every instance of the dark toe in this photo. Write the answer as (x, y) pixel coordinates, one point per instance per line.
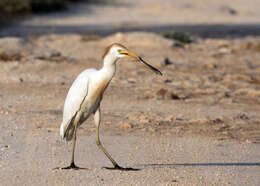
(117, 167)
(72, 166)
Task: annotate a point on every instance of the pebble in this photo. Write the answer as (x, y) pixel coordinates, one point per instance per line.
(170, 118)
(227, 9)
(242, 116)
(143, 119)
(166, 62)
(11, 49)
(126, 126)
(165, 94)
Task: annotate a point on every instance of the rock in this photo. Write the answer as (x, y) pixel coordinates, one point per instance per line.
(170, 118)
(161, 94)
(11, 49)
(218, 120)
(131, 80)
(242, 116)
(178, 44)
(167, 81)
(187, 84)
(143, 119)
(166, 62)
(228, 10)
(174, 96)
(165, 94)
(126, 126)
(224, 50)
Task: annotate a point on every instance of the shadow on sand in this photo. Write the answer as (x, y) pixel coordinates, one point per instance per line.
(172, 165)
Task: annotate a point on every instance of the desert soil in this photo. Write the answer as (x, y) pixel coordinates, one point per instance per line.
(198, 124)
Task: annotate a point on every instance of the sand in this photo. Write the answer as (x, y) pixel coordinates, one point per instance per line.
(198, 124)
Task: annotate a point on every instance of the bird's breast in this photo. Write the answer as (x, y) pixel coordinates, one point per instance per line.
(98, 89)
(95, 92)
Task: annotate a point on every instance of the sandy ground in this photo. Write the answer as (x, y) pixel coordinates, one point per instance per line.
(198, 124)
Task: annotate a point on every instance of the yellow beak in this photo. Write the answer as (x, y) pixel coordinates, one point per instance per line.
(131, 54)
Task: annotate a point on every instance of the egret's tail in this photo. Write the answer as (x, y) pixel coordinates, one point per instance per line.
(67, 132)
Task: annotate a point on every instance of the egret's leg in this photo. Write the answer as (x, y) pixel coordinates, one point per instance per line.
(72, 163)
(97, 119)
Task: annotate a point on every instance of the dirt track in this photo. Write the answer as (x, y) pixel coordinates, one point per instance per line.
(199, 124)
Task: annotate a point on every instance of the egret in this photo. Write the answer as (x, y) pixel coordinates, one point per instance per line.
(85, 95)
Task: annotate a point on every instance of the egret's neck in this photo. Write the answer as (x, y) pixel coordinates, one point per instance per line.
(109, 66)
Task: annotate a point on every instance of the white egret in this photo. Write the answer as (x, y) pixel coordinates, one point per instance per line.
(85, 95)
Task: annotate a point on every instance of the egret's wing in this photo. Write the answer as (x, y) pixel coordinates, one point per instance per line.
(77, 92)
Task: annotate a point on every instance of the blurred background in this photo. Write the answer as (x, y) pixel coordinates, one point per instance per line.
(198, 124)
(206, 18)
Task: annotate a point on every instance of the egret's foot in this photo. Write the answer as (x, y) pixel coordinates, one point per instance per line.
(117, 167)
(73, 166)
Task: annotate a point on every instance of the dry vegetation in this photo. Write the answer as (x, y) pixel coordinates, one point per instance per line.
(15, 7)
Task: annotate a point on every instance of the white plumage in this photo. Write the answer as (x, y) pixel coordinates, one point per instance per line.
(85, 95)
(77, 92)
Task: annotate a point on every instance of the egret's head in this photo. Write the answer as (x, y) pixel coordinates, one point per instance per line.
(119, 51)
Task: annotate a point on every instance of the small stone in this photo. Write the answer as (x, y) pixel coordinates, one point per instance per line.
(161, 93)
(178, 44)
(126, 126)
(131, 80)
(174, 96)
(165, 94)
(242, 116)
(210, 66)
(144, 119)
(11, 49)
(224, 50)
(170, 118)
(166, 62)
(179, 119)
(217, 120)
(227, 94)
(167, 81)
(227, 9)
